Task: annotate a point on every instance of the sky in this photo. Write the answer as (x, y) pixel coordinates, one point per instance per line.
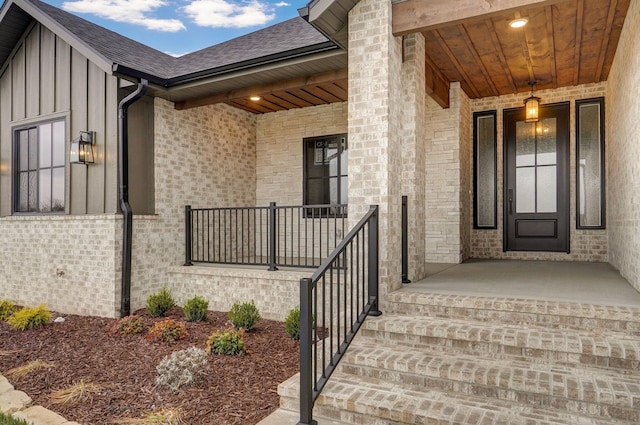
(178, 27)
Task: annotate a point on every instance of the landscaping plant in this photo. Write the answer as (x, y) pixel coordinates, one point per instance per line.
(128, 325)
(168, 331)
(160, 303)
(244, 315)
(6, 419)
(182, 367)
(228, 342)
(195, 309)
(292, 323)
(30, 318)
(7, 308)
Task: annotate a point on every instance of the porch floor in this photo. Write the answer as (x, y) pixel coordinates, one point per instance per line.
(586, 283)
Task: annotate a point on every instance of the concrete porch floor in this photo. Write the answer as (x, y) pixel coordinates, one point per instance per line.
(591, 283)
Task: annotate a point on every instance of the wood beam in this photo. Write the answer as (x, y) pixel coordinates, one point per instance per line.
(265, 89)
(437, 85)
(419, 15)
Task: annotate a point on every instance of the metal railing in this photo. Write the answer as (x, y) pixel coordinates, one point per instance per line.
(273, 236)
(334, 303)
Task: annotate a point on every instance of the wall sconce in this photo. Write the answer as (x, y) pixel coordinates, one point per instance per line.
(531, 105)
(82, 148)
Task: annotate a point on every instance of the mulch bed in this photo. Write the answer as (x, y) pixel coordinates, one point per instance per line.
(237, 389)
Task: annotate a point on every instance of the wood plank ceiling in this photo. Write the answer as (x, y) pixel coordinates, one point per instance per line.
(565, 43)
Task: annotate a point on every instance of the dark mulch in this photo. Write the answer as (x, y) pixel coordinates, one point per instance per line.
(237, 389)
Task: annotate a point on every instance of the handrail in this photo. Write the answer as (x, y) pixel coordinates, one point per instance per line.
(334, 303)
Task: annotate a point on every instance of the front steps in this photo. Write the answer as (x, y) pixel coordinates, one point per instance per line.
(451, 359)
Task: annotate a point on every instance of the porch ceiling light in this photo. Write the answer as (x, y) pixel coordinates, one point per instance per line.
(81, 151)
(531, 105)
(518, 23)
(255, 98)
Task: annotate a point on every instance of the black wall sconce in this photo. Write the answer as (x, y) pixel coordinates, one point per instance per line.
(82, 148)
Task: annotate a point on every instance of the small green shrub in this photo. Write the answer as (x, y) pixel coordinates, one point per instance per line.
(158, 304)
(182, 368)
(30, 318)
(228, 342)
(7, 308)
(292, 323)
(128, 325)
(6, 419)
(244, 316)
(195, 309)
(168, 331)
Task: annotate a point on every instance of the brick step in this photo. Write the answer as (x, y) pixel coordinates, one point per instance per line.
(521, 342)
(370, 401)
(580, 390)
(549, 314)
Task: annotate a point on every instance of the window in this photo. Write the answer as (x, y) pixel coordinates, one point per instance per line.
(590, 199)
(484, 149)
(40, 167)
(325, 170)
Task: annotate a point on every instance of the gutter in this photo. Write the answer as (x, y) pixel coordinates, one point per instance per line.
(127, 212)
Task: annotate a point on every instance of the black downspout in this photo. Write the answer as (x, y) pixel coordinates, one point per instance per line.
(127, 213)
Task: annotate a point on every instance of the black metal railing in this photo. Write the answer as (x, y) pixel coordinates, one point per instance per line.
(334, 303)
(273, 236)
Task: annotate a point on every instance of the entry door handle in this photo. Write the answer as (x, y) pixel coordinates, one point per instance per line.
(510, 201)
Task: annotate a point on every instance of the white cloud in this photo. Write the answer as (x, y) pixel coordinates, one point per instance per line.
(128, 11)
(229, 14)
(282, 4)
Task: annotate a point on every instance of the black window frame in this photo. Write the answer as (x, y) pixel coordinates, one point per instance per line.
(476, 115)
(343, 143)
(603, 198)
(16, 174)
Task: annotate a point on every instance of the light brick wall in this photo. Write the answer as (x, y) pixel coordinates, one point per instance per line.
(623, 151)
(204, 157)
(70, 263)
(586, 245)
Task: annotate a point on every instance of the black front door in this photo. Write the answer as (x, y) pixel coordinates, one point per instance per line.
(536, 204)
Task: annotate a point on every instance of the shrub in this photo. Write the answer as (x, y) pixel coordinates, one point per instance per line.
(158, 304)
(195, 309)
(244, 315)
(30, 318)
(168, 331)
(7, 308)
(6, 419)
(292, 323)
(229, 342)
(182, 367)
(128, 325)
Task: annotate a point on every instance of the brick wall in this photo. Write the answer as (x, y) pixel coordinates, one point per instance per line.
(586, 245)
(623, 151)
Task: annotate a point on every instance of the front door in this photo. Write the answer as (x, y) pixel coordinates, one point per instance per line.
(536, 204)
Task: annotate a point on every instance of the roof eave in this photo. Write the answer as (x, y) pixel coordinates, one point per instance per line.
(330, 17)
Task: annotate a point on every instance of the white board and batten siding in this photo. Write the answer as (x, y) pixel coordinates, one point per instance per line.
(46, 79)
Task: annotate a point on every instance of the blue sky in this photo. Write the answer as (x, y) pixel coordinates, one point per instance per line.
(182, 26)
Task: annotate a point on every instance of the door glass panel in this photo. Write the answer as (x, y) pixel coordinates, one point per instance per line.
(525, 190)
(547, 189)
(525, 144)
(546, 149)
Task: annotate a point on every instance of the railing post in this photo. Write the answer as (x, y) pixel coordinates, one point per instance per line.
(306, 361)
(405, 241)
(373, 277)
(272, 237)
(188, 229)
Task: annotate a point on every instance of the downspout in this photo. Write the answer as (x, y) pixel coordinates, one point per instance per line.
(127, 213)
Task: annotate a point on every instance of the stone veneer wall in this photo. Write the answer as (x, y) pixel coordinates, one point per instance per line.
(585, 245)
(623, 151)
(204, 157)
(71, 263)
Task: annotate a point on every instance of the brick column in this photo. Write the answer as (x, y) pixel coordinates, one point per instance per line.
(413, 149)
(375, 105)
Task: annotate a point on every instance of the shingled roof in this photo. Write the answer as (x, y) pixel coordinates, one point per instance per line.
(291, 38)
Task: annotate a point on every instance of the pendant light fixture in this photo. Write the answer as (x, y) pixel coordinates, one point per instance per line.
(532, 105)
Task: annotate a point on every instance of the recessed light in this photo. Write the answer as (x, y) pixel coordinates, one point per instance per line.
(518, 23)
(255, 98)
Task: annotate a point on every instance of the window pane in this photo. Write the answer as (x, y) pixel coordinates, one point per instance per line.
(485, 171)
(44, 136)
(525, 190)
(33, 148)
(344, 158)
(316, 192)
(33, 191)
(333, 190)
(590, 166)
(23, 140)
(58, 144)
(23, 192)
(45, 190)
(526, 144)
(547, 189)
(344, 190)
(57, 190)
(546, 152)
